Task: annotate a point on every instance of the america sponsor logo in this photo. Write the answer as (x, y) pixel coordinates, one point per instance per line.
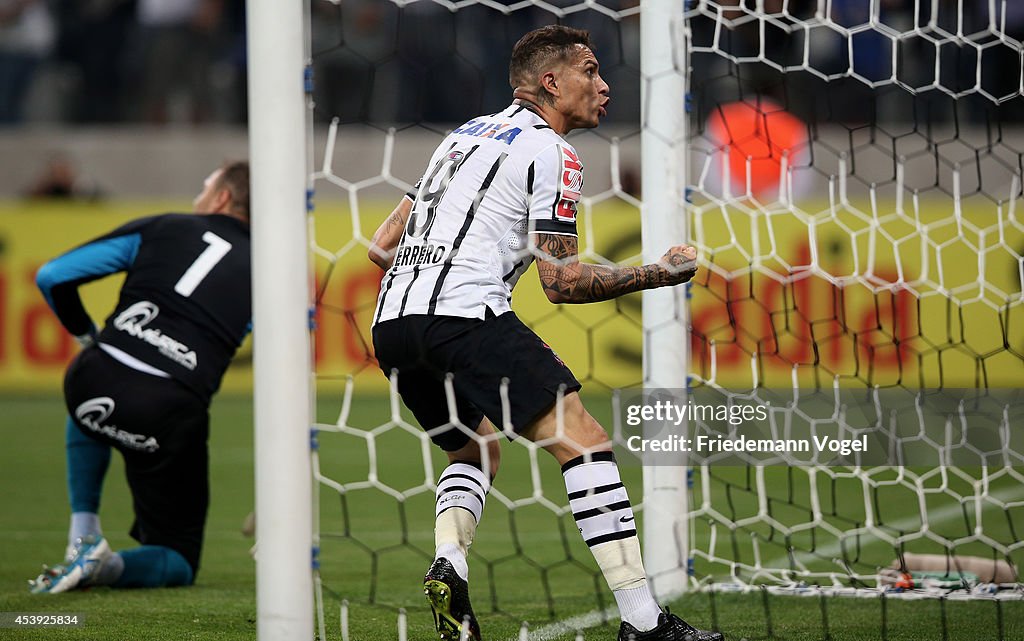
(94, 413)
(133, 321)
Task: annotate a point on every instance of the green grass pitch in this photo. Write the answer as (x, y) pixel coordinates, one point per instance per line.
(527, 564)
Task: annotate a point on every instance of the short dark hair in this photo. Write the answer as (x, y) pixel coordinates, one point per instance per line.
(234, 176)
(540, 47)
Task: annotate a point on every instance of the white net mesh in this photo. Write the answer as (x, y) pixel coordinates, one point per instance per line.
(854, 177)
(855, 188)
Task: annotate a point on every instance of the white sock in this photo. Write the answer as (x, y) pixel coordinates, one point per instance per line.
(638, 607)
(599, 502)
(604, 516)
(461, 494)
(456, 556)
(83, 524)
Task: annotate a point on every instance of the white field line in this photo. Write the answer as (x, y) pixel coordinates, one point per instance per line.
(571, 625)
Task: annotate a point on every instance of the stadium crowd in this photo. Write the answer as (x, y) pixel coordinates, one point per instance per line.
(183, 61)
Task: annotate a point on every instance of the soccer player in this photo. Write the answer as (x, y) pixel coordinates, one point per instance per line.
(498, 192)
(142, 385)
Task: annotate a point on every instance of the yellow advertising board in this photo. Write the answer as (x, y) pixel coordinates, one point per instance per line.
(34, 348)
(924, 297)
(748, 324)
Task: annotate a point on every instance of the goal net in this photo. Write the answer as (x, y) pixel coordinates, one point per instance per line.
(855, 183)
(852, 176)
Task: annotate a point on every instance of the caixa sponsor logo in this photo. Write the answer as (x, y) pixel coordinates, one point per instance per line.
(133, 322)
(94, 413)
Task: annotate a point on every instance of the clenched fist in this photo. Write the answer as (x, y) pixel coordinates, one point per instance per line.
(680, 262)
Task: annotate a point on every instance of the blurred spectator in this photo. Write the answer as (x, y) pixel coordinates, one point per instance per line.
(383, 61)
(92, 38)
(228, 74)
(60, 180)
(177, 38)
(1001, 71)
(430, 64)
(26, 39)
(353, 39)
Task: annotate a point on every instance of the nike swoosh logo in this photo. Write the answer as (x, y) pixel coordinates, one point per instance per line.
(623, 519)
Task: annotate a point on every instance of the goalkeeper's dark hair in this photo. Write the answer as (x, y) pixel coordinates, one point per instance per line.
(234, 176)
(540, 47)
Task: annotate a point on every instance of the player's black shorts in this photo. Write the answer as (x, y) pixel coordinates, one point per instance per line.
(161, 429)
(479, 354)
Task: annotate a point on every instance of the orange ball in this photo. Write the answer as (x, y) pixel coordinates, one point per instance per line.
(761, 131)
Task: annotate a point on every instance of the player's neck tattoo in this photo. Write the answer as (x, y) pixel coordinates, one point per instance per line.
(533, 103)
(533, 99)
(528, 103)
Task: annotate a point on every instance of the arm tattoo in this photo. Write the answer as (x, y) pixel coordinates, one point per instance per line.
(566, 280)
(388, 235)
(396, 219)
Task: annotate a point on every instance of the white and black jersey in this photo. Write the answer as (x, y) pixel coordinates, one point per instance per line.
(489, 184)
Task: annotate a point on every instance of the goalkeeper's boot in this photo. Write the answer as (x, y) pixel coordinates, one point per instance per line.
(448, 595)
(670, 628)
(79, 569)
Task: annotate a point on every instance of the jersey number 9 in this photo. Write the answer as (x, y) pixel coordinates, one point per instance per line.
(432, 191)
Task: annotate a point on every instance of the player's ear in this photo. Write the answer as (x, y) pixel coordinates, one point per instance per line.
(222, 201)
(549, 83)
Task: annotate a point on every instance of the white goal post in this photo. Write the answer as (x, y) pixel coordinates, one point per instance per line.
(281, 346)
(666, 347)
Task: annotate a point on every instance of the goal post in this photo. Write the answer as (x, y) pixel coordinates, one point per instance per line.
(854, 198)
(666, 347)
(281, 351)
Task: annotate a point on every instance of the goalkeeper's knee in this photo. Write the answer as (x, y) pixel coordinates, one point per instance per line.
(154, 566)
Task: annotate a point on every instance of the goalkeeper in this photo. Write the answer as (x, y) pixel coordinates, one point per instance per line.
(142, 385)
(500, 191)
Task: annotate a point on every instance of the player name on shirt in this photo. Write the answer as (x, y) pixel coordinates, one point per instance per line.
(426, 254)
